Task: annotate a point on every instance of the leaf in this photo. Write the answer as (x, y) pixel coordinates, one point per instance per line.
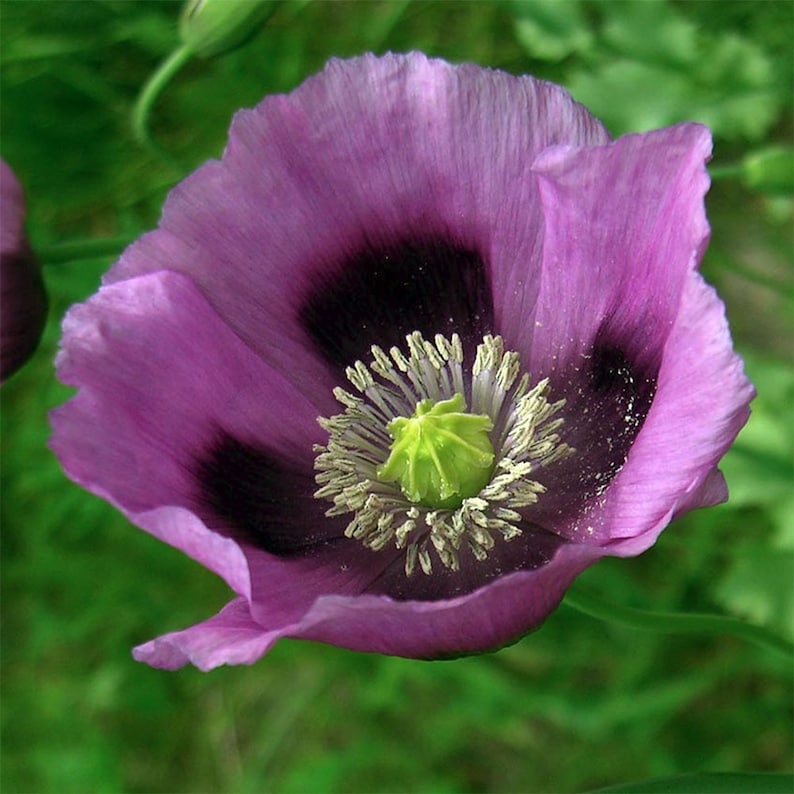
(756, 584)
(674, 40)
(550, 30)
(656, 68)
(759, 467)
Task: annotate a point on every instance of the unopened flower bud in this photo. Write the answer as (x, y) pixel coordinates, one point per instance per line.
(23, 302)
(212, 27)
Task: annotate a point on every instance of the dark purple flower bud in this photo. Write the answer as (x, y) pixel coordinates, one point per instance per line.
(423, 346)
(23, 302)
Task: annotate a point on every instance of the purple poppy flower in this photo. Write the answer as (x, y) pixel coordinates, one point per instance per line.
(495, 313)
(23, 302)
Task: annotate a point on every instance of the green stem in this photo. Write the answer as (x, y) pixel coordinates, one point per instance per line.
(81, 249)
(148, 96)
(676, 622)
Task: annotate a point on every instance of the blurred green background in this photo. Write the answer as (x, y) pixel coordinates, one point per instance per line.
(577, 705)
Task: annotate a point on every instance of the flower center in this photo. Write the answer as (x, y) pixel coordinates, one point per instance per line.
(414, 469)
(440, 455)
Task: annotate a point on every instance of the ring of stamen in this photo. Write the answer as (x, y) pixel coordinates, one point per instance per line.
(525, 437)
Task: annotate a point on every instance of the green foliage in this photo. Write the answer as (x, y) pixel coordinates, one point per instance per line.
(709, 784)
(770, 171)
(577, 705)
(651, 65)
(550, 30)
(756, 583)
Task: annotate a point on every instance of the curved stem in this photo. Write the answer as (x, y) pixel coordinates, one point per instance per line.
(676, 622)
(148, 96)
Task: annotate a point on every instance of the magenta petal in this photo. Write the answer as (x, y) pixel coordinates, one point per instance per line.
(183, 530)
(370, 153)
(231, 637)
(701, 404)
(159, 374)
(623, 226)
(713, 490)
(484, 620)
(386, 195)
